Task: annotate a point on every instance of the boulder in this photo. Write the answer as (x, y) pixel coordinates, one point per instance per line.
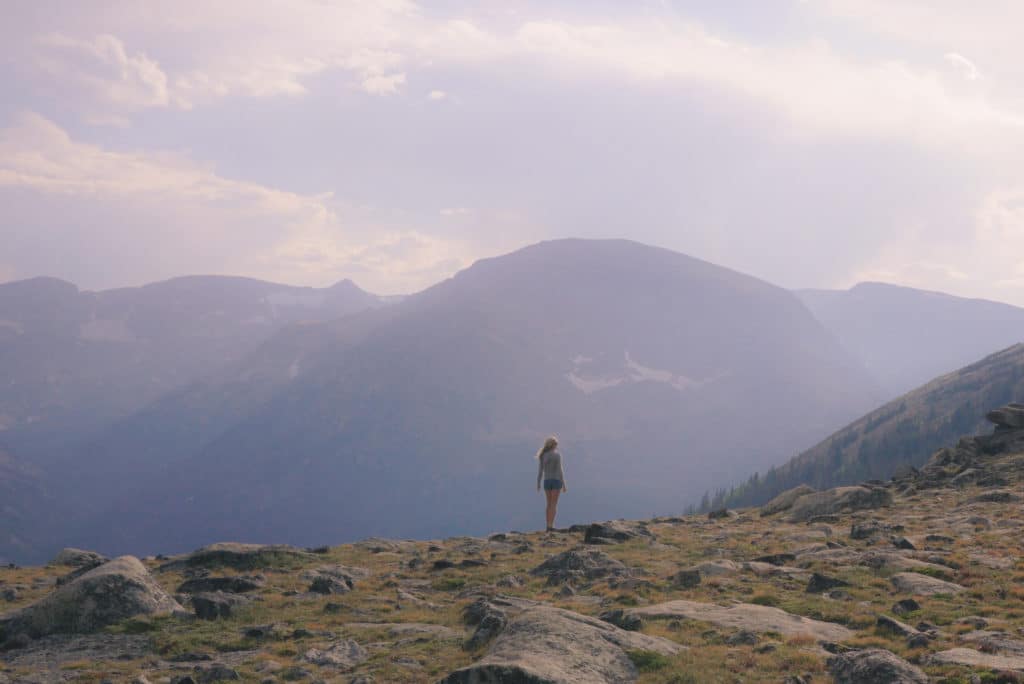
(820, 583)
(993, 642)
(217, 604)
(1011, 417)
(785, 500)
(894, 626)
(839, 500)
(547, 644)
(240, 556)
(329, 585)
(77, 558)
(117, 590)
(614, 532)
(580, 564)
(922, 585)
(716, 568)
(747, 616)
(874, 666)
(972, 658)
(342, 655)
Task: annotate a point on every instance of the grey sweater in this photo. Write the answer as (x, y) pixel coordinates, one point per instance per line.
(550, 467)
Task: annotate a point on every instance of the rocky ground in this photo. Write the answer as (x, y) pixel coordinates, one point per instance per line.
(919, 579)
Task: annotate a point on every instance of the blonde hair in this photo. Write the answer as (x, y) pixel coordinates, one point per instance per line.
(549, 445)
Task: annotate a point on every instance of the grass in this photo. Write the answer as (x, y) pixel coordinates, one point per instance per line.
(648, 661)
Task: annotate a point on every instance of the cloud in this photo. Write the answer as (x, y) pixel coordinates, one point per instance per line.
(102, 72)
(383, 84)
(165, 215)
(962, 65)
(436, 95)
(456, 211)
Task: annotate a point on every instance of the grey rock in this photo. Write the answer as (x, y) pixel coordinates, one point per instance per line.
(820, 583)
(839, 500)
(904, 543)
(615, 531)
(329, 585)
(894, 626)
(785, 500)
(743, 637)
(923, 585)
(547, 644)
(343, 655)
(217, 604)
(580, 564)
(873, 666)
(748, 616)
(1008, 416)
(77, 558)
(217, 672)
(686, 579)
(906, 606)
(119, 589)
(511, 582)
(997, 496)
(973, 658)
(619, 618)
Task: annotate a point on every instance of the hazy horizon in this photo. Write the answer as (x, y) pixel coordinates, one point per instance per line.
(812, 144)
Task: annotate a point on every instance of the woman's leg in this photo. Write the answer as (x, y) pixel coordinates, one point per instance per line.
(552, 495)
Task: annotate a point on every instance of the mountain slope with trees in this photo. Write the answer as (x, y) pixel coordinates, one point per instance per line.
(903, 433)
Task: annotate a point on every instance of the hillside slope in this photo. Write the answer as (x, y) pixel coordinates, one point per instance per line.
(914, 580)
(424, 417)
(906, 337)
(904, 432)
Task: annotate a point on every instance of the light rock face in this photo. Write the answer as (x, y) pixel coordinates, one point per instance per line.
(547, 645)
(838, 500)
(923, 585)
(119, 589)
(874, 666)
(343, 655)
(785, 500)
(746, 616)
(972, 658)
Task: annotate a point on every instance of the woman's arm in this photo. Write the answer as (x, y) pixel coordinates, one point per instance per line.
(561, 473)
(540, 470)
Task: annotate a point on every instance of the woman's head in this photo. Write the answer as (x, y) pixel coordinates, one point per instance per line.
(549, 445)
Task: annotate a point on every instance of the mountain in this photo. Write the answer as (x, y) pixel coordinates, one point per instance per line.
(906, 337)
(73, 361)
(904, 432)
(661, 373)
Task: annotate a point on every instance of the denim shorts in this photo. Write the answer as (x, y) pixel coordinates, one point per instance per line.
(552, 484)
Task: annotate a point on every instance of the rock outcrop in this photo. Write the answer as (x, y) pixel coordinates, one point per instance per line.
(580, 564)
(119, 589)
(547, 644)
(748, 616)
(874, 666)
(240, 556)
(839, 500)
(785, 500)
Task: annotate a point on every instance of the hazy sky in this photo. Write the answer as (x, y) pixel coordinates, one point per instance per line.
(813, 143)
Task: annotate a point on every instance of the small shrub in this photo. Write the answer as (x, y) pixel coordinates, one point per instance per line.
(648, 661)
(449, 583)
(765, 600)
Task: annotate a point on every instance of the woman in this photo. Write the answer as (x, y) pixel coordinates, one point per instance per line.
(549, 469)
